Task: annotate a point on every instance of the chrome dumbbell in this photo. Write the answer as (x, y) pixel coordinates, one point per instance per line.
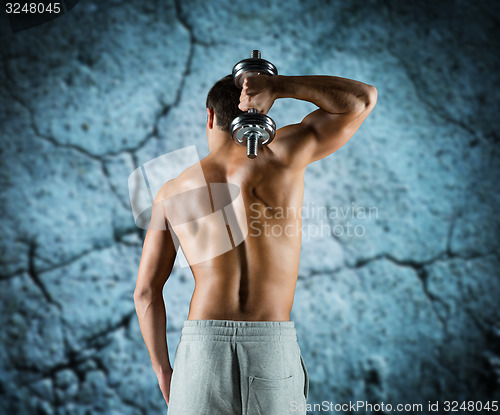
(252, 129)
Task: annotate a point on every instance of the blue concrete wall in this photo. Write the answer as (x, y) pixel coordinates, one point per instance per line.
(407, 312)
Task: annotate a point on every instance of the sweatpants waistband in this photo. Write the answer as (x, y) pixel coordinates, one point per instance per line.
(240, 331)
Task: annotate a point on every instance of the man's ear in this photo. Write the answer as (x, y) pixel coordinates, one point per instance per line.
(210, 118)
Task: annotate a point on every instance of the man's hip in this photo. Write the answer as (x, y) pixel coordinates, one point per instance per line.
(238, 367)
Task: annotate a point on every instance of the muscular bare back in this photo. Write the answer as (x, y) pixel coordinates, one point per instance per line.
(238, 223)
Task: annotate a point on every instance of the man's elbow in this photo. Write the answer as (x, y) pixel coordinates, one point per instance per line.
(371, 97)
(144, 294)
(365, 101)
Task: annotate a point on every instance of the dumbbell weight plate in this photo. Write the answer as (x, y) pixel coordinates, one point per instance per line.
(245, 123)
(252, 66)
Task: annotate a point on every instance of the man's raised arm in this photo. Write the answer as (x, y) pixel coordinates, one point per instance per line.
(157, 260)
(343, 106)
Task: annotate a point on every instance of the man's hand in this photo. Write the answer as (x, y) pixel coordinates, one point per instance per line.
(257, 92)
(343, 106)
(164, 378)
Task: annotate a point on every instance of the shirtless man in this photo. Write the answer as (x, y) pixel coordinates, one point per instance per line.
(238, 352)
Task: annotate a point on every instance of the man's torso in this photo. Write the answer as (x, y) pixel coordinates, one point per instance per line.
(239, 225)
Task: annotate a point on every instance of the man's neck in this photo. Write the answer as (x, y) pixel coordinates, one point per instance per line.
(221, 144)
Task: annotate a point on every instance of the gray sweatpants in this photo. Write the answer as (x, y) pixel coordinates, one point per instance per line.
(238, 368)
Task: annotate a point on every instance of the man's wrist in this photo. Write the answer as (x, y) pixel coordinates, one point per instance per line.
(163, 370)
(278, 86)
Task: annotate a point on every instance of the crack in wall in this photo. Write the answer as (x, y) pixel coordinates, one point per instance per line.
(123, 323)
(184, 22)
(75, 358)
(34, 274)
(164, 110)
(420, 270)
(415, 79)
(118, 235)
(112, 187)
(52, 267)
(53, 141)
(101, 158)
(418, 267)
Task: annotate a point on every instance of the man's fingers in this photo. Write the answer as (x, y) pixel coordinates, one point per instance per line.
(244, 103)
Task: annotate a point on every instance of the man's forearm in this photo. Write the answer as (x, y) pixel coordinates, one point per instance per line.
(331, 93)
(152, 321)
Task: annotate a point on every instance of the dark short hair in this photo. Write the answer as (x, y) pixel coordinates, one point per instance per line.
(224, 98)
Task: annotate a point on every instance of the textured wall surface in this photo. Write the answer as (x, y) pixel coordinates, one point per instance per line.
(404, 312)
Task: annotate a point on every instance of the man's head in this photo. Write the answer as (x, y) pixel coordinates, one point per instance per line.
(223, 99)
